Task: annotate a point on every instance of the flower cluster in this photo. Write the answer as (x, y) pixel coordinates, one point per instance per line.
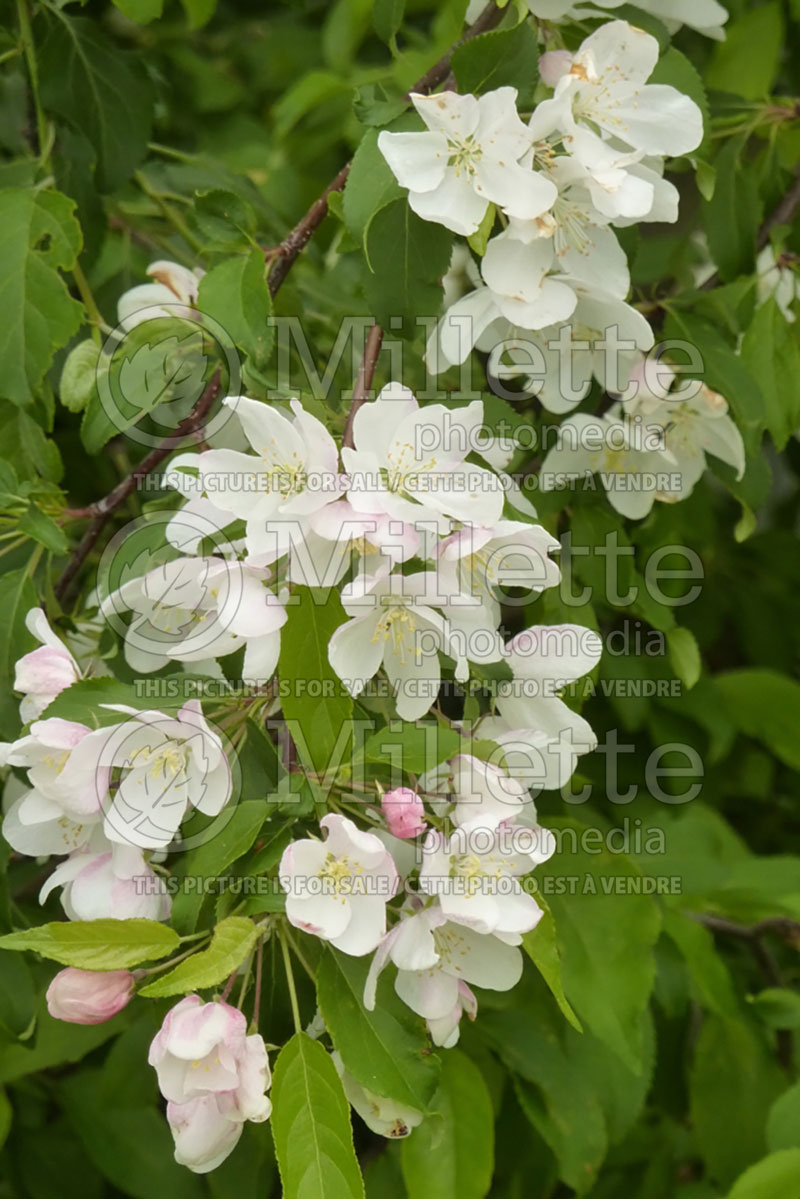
(463, 909)
(213, 1076)
(107, 796)
(650, 448)
(416, 526)
(590, 158)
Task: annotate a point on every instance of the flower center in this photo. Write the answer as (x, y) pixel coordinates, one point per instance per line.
(464, 154)
(397, 626)
(169, 759)
(465, 865)
(338, 872)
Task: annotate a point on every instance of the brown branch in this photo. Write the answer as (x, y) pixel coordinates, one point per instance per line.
(363, 384)
(782, 214)
(781, 926)
(291, 247)
(102, 509)
(283, 258)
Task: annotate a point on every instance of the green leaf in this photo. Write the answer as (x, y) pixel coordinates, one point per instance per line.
(103, 92)
(224, 219)
(451, 1154)
(161, 360)
(17, 597)
(710, 980)
(303, 661)
(684, 655)
(747, 61)
(732, 216)
(78, 376)
(25, 444)
(209, 860)
(479, 240)
(55, 1043)
(233, 939)
(509, 57)
(771, 352)
(236, 295)
(385, 1050)
(311, 1125)
(38, 236)
(140, 11)
(373, 106)
(783, 1121)
(542, 948)
(387, 17)
(83, 701)
(777, 1007)
(199, 12)
(42, 528)
(733, 1081)
(578, 1094)
(596, 927)
(776, 1177)
(406, 258)
(6, 1117)
(130, 1145)
(765, 705)
(370, 186)
(411, 747)
(97, 944)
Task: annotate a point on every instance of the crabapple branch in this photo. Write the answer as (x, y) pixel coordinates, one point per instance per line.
(363, 380)
(103, 508)
(289, 250)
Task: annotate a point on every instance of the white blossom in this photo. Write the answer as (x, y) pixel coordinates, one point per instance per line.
(469, 157)
(193, 609)
(174, 293)
(338, 889)
(605, 87)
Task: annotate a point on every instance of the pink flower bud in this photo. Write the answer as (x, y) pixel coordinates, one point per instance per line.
(553, 65)
(404, 812)
(88, 996)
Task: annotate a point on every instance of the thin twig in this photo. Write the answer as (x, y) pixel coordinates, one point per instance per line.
(284, 257)
(363, 384)
(257, 991)
(290, 248)
(752, 935)
(783, 214)
(781, 926)
(102, 509)
(287, 963)
(229, 986)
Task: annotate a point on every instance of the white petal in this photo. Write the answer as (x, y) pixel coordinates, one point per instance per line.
(418, 160)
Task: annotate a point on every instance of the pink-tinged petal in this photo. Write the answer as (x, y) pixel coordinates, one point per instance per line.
(88, 996)
(204, 1136)
(322, 915)
(429, 993)
(45, 671)
(554, 65)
